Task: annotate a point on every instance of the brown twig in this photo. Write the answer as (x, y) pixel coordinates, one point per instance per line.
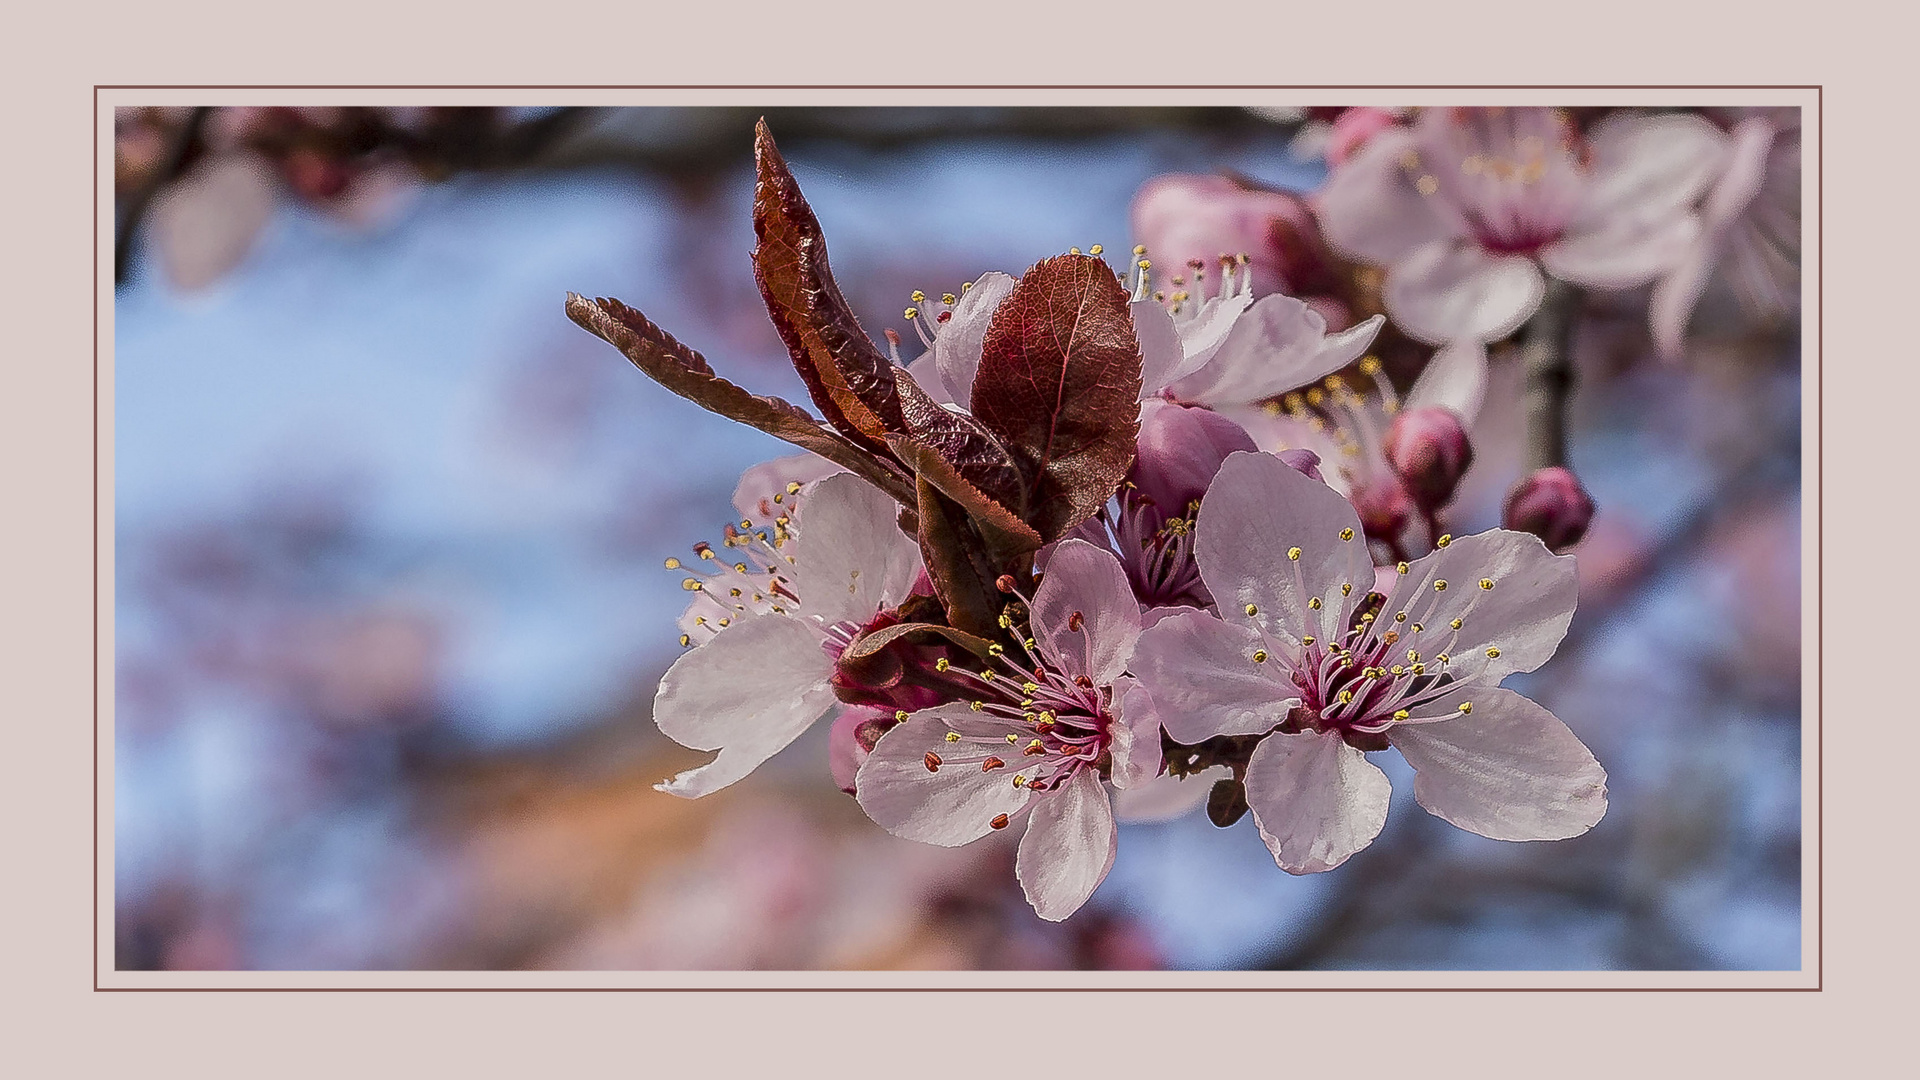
(1547, 358)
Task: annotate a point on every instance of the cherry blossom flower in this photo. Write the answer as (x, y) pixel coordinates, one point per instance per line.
(1302, 655)
(1035, 741)
(1465, 207)
(1752, 233)
(774, 612)
(1185, 218)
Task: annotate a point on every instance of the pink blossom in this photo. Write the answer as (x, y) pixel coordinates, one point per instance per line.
(1294, 657)
(1034, 742)
(1190, 220)
(775, 612)
(1467, 206)
(1752, 233)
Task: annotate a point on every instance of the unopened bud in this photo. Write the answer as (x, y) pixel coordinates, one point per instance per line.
(1383, 507)
(1429, 450)
(1551, 505)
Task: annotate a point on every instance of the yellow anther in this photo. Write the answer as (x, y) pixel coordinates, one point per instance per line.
(1095, 250)
(912, 313)
(1028, 643)
(1336, 384)
(691, 585)
(739, 568)
(918, 297)
(793, 488)
(1493, 653)
(1346, 696)
(736, 592)
(1417, 628)
(1019, 780)
(685, 640)
(1443, 658)
(1307, 640)
(1440, 585)
(1293, 554)
(1455, 624)
(1346, 534)
(1401, 714)
(1012, 739)
(900, 714)
(1073, 251)
(1400, 617)
(1418, 669)
(1036, 747)
(1445, 539)
(953, 736)
(1029, 688)
(941, 664)
(1253, 609)
(1466, 706)
(996, 649)
(948, 298)
(1259, 656)
(673, 564)
(1147, 264)
(988, 675)
(1486, 583)
(1369, 365)
(779, 497)
(965, 285)
(1397, 670)
(1346, 589)
(1402, 568)
(1367, 618)
(1315, 396)
(976, 706)
(726, 622)
(1313, 602)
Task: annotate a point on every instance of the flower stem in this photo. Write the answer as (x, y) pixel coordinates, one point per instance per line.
(1547, 358)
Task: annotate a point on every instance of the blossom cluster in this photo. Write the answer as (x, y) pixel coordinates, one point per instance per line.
(1126, 539)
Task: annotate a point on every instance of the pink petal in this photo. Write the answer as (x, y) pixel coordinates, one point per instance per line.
(1648, 169)
(1448, 291)
(1522, 617)
(1205, 682)
(1162, 358)
(1136, 734)
(1280, 344)
(957, 347)
(1089, 582)
(852, 557)
(1316, 800)
(747, 693)
(206, 223)
(925, 373)
(949, 807)
(1068, 848)
(1455, 378)
(1509, 770)
(1370, 209)
(1622, 257)
(1670, 308)
(1256, 511)
(1179, 450)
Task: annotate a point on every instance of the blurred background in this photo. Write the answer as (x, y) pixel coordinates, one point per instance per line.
(390, 604)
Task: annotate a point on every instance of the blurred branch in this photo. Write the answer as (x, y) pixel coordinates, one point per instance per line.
(179, 152)
(1547, 358)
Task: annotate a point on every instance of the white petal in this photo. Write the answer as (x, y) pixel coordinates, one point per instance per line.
(1136, 734)
(949, 807)
(852, 557)
(925, 373)
(1369, 207)
(1455, 378)
(1280, 344)
(1202, 333)
(1087, 581)
(956, 348)
(1166, 796)
(1509, 770)
(205, 223)
(1448, 291)
(1648, 168)
(747, 693)
(1204, 681)
(1069, 847)
(1670, 308)
(1316, 800)
(1256, 511)
(1523, 617)
(1623, 257)
(1161, 358)
(753, 497)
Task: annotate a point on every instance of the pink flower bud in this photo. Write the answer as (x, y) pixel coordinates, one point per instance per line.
(1428, 449)
(1184, 217)
(1383, 507)
(1551, 505)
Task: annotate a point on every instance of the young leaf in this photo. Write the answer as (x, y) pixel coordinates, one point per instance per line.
(1059, 384)
(956, 563)
(687, 373)
(964, 445)
(847, 375)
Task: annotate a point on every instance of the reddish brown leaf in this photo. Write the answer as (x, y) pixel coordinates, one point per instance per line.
(849, 378)
(956, 563)
(687, 373)
(1059, 384)
(1004, 535)
(964, 445)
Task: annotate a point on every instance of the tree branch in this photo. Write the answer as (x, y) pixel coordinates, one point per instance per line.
(1548, 361)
